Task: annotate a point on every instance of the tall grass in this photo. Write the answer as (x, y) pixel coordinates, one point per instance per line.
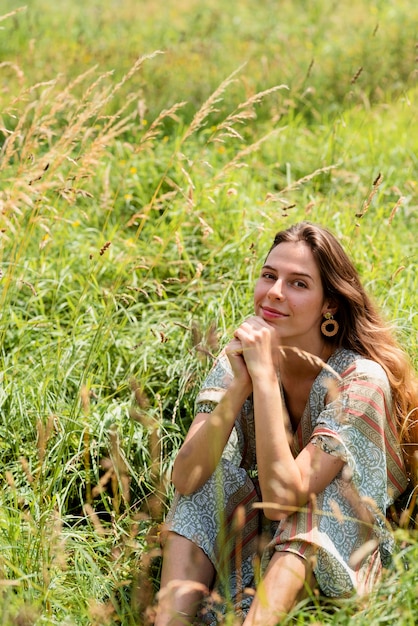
(139, 192)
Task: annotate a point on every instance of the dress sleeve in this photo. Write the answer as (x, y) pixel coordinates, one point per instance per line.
(359, 427)
(214, 385)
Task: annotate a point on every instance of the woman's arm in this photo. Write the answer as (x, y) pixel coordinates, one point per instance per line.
(286, 483)
(209, 432)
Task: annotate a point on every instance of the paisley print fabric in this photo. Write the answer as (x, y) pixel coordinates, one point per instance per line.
(343, 529)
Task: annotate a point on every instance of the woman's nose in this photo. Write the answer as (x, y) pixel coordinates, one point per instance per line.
(276, 290)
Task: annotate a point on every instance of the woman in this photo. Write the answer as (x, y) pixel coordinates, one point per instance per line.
(298, 436)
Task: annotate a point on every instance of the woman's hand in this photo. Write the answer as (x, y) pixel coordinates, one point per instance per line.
(236, 359)
(259, 343)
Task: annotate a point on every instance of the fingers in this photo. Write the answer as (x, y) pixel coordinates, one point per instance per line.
(256, 323)
(234, 352)
(252, 329)
(258, 343)
(234, 347)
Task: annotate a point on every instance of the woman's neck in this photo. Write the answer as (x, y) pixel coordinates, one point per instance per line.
(295, 362)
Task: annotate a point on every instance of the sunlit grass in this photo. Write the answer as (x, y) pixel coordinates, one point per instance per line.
(135, 209)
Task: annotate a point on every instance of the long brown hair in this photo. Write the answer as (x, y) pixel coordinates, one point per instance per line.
(362, 329)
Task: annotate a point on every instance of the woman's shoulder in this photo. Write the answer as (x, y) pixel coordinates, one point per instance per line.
(350, 365)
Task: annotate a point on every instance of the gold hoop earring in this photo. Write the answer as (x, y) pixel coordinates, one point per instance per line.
(329, 326)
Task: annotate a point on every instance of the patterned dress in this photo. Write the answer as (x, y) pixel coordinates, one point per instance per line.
(342, 530)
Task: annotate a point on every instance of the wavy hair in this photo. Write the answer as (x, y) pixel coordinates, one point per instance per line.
(362, 329)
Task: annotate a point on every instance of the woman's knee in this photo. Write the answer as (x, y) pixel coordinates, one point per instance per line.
(183, 559)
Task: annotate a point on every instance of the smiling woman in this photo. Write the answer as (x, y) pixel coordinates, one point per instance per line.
(295, 453)
(289, 295)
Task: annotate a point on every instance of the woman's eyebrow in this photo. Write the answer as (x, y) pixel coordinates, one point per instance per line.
(292, 273)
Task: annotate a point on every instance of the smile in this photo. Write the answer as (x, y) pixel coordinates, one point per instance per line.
(272, 313)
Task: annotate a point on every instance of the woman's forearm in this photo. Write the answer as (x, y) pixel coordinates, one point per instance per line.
(281, 481)
(206, 439)
(286, 483)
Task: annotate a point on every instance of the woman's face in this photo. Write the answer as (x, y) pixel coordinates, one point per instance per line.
(289, 294)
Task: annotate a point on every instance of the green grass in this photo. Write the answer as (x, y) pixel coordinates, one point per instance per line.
(137, 199)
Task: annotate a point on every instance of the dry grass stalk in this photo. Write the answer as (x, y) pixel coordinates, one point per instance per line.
(143, 587)
(311, 358)
(91, 514)
(376, 184)
(85, 403)
(141, 400)
(79, 144)
(336, 511)
(104, 479)
(44, 432)
(26, 469)
(157, 203)
(134, 69)
(238, 525)
(356, 75)
(19, 73)
(242, 114)
(155, 128)
(207, 343)
(272, 197)
(208, 106)
(363, 552)
(101, 613)
(237, 161)
(141, 414)
(411, 426)
(121, 475)
(7, 15)
(407, 514)
(398, 204)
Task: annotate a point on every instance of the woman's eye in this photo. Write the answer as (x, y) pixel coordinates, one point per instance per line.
(299, 283)
(269, 276)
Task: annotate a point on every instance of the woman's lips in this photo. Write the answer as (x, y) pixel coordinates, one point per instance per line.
(272, 313)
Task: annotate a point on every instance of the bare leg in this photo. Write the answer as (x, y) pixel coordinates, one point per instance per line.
(283, 585)
(186, 574)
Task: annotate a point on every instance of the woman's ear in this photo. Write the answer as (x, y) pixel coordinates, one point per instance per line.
(330, 306)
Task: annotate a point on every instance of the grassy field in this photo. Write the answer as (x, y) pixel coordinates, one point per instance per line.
(148, 154)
